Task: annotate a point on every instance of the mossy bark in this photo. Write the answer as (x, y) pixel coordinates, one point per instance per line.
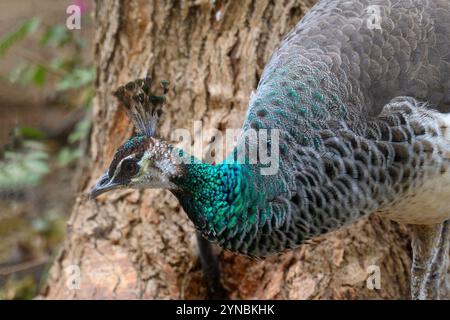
(140, 244)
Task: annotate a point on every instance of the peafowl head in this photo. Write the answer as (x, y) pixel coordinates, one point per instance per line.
(144, 161)
(214, 196)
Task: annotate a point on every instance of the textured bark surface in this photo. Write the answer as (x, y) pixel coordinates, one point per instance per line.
(140, 244)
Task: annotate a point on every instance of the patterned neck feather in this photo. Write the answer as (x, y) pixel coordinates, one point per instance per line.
(219, 199)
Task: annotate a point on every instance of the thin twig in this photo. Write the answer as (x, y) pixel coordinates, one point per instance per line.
(23, 266)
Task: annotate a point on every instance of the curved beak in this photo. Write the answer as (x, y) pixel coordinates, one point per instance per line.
(103, 185)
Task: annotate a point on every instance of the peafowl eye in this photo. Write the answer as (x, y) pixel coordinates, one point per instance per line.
(129, 168)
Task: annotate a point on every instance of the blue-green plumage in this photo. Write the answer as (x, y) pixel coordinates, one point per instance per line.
(216, 198)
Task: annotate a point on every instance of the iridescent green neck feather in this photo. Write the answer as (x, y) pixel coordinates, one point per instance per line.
(216, 198)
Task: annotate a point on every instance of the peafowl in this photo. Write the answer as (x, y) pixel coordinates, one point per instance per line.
(360, 93)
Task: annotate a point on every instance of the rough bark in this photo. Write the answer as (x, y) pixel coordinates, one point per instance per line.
(140, 244)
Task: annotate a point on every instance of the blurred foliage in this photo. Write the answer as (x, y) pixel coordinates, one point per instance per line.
(63, 72)
(30, 234)
(35, 239)
(66, 65)
(23, 162)
(26, 28)
(23, 167)
(24, 288)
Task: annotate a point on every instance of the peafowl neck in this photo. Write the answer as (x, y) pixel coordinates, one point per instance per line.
(216, 198)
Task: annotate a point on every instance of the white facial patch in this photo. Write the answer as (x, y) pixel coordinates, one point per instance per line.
(156, 173)
(166, 166)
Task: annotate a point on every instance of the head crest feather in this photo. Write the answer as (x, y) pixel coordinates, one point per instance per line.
(143, 105)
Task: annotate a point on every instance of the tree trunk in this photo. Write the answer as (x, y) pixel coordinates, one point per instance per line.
(140, 244)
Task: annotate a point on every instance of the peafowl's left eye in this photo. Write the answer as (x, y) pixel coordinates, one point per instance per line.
(129, 167)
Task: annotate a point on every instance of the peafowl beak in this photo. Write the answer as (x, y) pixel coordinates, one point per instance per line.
(103, 185)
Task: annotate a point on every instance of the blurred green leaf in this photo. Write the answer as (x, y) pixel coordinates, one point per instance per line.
(81, 42)
(31, 133)
(39, 73)
(80, 132)
(40, 225)
(26, 28)
(62, 64)
(67, 155)
(26, 73)
(56, 36)
(24, 167)
(87, 95)
(17, 73)
(57, 63)
(51, 225)
(76, 79)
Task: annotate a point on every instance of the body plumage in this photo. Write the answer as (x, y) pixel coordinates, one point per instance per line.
(363, 127)
(356, 134)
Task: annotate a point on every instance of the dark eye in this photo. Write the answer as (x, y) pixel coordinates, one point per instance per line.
(129, 167)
